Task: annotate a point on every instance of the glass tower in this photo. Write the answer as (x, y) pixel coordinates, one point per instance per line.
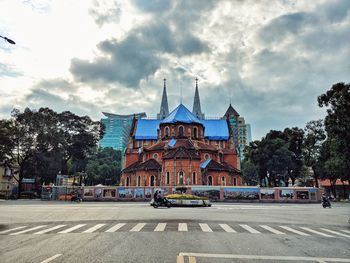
(117, 129)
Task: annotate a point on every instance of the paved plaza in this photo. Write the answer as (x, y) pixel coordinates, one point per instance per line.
(40, 231)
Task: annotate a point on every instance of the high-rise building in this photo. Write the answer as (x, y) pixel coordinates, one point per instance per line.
(241, 131)
(117, 129)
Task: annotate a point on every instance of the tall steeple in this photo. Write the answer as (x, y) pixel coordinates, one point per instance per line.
(164, 109)
(197, 104)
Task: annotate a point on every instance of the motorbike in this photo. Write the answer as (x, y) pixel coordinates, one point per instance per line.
(76, 198)
(161, 202)
(326, 203)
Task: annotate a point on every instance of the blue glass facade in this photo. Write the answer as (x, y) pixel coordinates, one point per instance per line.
(117, 129)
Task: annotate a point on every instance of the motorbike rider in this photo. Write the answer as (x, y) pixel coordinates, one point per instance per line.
(325, 199)
(155, 196)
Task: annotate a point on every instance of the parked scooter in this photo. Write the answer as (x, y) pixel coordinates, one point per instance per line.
(161, 202)
(326, 202)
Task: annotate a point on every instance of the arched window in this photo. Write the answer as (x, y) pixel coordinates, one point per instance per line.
(195, 132)
(210, 180)
(151, 181)
(139, 181)
(167, 178)
(166, 131)
(223, 181)
(234, 181)
(194, 178)
(206, 156)
(221, 156)
(181, 178)
(181, 131)
(127, 181)
(155, 156)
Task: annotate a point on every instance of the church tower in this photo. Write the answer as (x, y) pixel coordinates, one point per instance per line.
(197, 104)
(164, 109)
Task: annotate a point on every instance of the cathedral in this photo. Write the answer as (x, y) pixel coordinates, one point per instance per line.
(180, 148)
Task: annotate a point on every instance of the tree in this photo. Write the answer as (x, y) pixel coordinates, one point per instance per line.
(337, 126)
(104, 167)
(295, 139)
(250, 173)
(6, 144)
(78, 135)
(314, 137)
(41, 142)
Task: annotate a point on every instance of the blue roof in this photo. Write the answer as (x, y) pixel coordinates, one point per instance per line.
(205, 163)
(216, 129)
(181, 114)
(147, 129)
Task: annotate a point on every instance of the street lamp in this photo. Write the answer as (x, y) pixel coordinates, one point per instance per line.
(9, 40)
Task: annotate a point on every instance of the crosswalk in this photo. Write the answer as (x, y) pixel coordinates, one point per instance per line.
(232, 228)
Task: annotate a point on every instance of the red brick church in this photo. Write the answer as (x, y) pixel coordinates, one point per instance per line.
(180, 148)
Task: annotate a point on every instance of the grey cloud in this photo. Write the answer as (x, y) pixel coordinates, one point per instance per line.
(337, 10)
(283, 26)
(8, 71)
(40, 97)
(153, 6)
(57, 84)
(136, 57)
(102, 17)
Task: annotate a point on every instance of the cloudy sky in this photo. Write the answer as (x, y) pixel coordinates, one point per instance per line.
(272, 58)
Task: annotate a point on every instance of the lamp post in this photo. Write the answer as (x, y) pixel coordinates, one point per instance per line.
(9, 40)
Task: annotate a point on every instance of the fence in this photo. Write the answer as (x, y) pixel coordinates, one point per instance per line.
(214, 193)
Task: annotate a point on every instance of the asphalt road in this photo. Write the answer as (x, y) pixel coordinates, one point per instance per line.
(42, 232)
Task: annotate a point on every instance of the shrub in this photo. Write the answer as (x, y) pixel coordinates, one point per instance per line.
(185, 197)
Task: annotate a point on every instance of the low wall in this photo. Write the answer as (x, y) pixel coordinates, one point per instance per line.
(214, 193)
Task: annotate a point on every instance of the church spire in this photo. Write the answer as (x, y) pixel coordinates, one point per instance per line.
(197, 104)
(164, 109)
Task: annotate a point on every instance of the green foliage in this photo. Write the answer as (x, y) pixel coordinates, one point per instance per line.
(42, 142)
(250, 174)
(104, 167)
(181, 189)
(185, 197)
(336, 149)
(277, 157)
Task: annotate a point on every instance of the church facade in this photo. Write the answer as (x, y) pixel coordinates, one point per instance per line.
(180, 148)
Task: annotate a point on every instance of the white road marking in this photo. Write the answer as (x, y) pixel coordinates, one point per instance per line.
(160, 227)
(12, 229)
(49, 229)
(345, 231)
(27, 230)
(138, 227)
(294, 231)
(51, 258)
(250, 229)
(227, 228)
(71, 229)
(115, 228)
(335, 232)
(205, 228)
(94, 228)
(275, 231)
(261, 257)
(316, 232)
(182, 227)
